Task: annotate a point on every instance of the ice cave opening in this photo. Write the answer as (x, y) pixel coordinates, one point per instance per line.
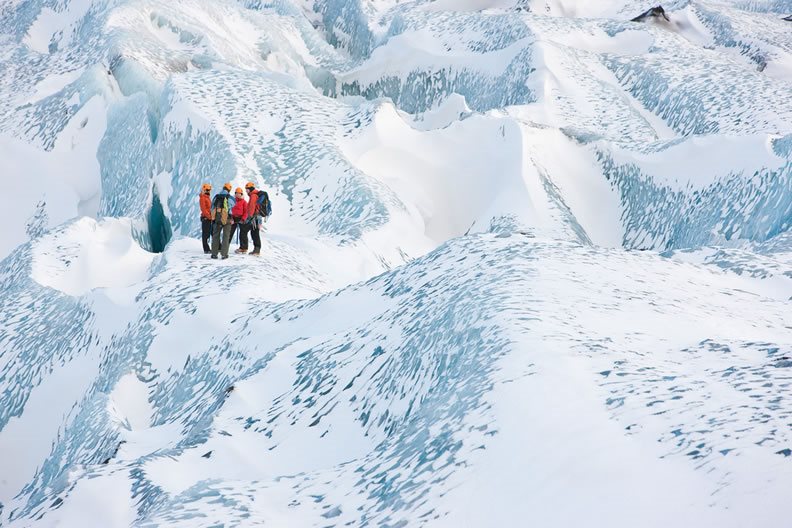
(159, 226)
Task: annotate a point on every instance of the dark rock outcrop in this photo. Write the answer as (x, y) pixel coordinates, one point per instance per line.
(653, 13)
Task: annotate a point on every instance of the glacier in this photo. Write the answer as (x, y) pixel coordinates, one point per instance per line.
(530, 263)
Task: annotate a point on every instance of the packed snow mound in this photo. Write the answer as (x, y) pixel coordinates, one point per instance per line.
(87, 255)
(450, 322)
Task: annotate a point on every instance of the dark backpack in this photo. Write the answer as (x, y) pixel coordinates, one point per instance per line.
(263, 205)
(220, 205)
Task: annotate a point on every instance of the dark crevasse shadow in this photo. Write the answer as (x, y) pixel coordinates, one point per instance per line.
(159, 226)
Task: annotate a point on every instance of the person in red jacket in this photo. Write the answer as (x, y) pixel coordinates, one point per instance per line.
(253, 222)
(239, 214)
(205, 203)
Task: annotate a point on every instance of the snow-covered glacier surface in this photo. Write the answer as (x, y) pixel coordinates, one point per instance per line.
(530, 263)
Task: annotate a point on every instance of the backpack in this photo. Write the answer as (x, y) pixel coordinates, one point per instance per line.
(263, 205)
(220, 204)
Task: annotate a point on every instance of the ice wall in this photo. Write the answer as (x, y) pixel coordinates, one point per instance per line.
(734, 201)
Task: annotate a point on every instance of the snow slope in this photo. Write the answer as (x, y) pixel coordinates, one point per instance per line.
(529, 263)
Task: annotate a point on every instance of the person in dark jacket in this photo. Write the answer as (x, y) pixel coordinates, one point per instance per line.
(206, 216)
(222, 204)
(239, 215)
(253, 219)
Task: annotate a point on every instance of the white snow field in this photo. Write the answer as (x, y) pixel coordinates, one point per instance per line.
(530, 264)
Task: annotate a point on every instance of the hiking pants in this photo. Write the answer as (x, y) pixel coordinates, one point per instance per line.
(221, 232)
(255, 234)
(206, 232)
(243, 230)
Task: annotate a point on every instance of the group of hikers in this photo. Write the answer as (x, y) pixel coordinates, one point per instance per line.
(223, 214)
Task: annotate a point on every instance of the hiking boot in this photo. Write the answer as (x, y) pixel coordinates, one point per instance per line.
(240, 250)
(207, 252)
(224, 257)
(214, 257)
(255, 253)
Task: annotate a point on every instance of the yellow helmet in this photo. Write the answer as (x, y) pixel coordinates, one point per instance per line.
(250, 185)
(206, 187)
(227, 186)
(238, 190)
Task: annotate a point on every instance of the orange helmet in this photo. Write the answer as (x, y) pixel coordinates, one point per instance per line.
(238, 190)
(206, 187)
(227, 186)
(250, 185)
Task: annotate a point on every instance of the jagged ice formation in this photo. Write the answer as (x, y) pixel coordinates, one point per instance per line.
(530, 263)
